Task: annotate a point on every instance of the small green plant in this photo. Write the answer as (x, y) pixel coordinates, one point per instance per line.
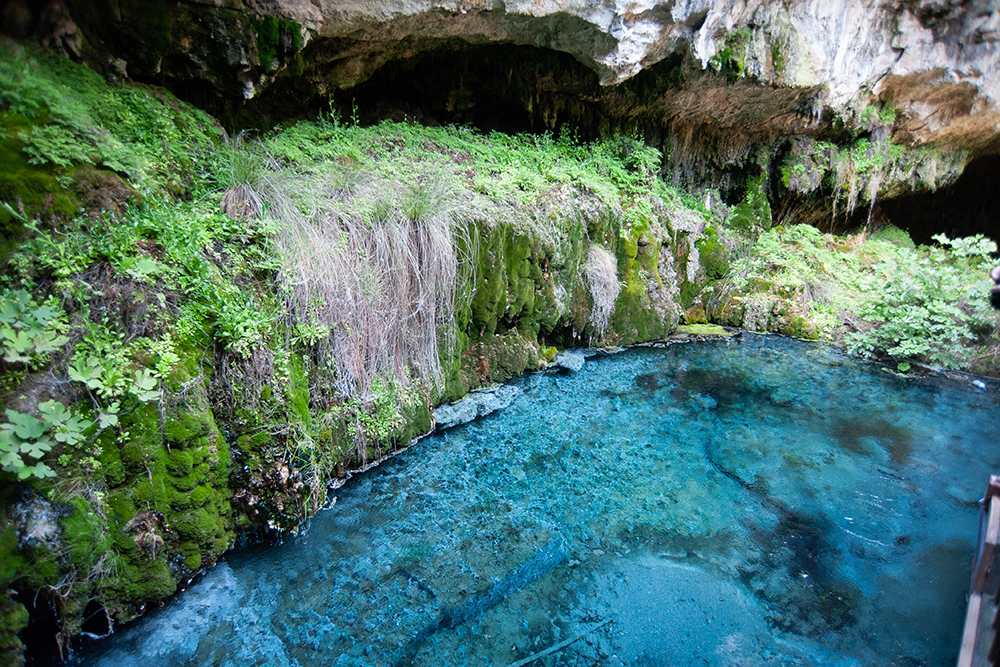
(242, 324)
(29, 332)
(63, 253)
(103, 363)
(873, 117)
(24, 437)
(374, 418)
(243, 174)
(731, 60)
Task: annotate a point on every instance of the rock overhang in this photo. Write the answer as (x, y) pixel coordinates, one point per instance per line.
(937, 64)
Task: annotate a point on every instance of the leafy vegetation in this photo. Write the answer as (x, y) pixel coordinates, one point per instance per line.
(924, 305)
(69, 141)
(29, 332)
(882, 296)
(731, 59)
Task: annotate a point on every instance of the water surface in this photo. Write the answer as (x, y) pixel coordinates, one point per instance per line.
(751, 502)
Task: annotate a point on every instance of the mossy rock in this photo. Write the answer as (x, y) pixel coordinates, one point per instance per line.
(496, 359)
(418, 418)
(713, 254)
(254, 442)
(111, 460)
(188, 426)
(85, 535)
(197, 498)
(143, 447)
(13, 619)
(30, 189)
(205, 527)
(695, 315)
(788, 320)
(702, 330)
(12, 561)
(180, 463)
(140, 580)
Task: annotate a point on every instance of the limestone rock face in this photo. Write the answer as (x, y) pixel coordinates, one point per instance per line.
(937, 61)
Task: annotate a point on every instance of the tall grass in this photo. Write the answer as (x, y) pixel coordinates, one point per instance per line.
(375, 265)
(243, 176)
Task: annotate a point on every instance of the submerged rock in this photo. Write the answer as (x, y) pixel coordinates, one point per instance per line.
(571, 360)
(475, 405)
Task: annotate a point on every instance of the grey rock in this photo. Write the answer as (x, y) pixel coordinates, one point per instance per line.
(477, 404)
(571, 360)
(37, 524)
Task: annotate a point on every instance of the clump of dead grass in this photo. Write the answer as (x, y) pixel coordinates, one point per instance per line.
(369, 274)
(602, 275)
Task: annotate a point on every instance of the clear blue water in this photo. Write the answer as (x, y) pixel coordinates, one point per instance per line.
(753, 502)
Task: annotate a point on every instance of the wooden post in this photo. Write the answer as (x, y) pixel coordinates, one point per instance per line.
(981, 571)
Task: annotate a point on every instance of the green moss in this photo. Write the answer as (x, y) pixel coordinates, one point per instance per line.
(251, 443)
(495, 359)
(154, 22)
(702, 330)
(140, 580)
(730, 61)
(188, 427)
(203, 527)
(520, 292)
(778, 57)
(143, 446)
(111, 460)
(29, 188)
(202, 495)
(179, 462)
(689, 293)
(417, 418)
(12, 561)
(85, 535)
(272, 33)
(713, 254)
(13, 619)
(895, 236)
(489, 301)
(753, 214)
(297, 389)
(267, 31)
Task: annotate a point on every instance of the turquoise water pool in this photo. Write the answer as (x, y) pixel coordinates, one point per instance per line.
(758, 501)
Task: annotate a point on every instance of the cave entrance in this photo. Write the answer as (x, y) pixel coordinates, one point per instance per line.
(505, 88)
(969, 206)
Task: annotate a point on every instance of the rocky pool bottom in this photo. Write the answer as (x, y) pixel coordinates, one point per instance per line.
(755, 501)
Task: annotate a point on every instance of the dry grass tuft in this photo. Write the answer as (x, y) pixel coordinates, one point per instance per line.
(602, 274)
(370, 272)
(242, 201)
